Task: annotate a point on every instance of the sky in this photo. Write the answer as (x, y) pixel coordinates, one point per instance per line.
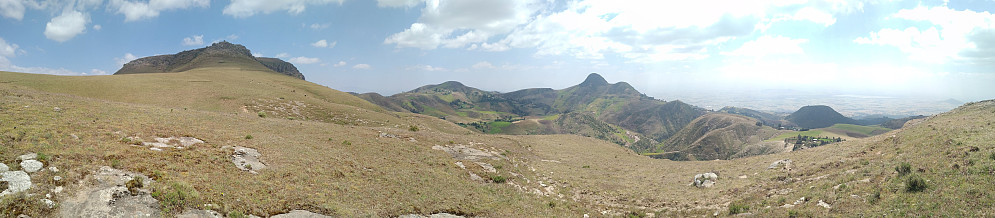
(666, 49)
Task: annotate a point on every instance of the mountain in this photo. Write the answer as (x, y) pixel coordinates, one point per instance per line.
(722, 136)
(817, 116)
(617, 104)
(768, 119)
(899, 123)
(219, 54)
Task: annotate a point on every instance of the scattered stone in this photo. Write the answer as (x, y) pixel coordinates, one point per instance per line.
(787, 206)
(172, 142)
(31, 165)
(299, 214)
(48, 203)
(462, 152)
(57, 109)
(460, 164)
(487, 167)
(74, 136)
(103, 194)
(475, 177)
(56, 178)
(783, 164)
(704, 180)
(743, 176)
(800, 201)
(58, 189)
(247, 159)
(28, 156)
(53, 169)
(17, 181)
(4, 168)
(824, 204)
(200, 214)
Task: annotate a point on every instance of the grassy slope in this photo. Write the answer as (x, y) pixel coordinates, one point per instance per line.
(384, 176)
(311, 166)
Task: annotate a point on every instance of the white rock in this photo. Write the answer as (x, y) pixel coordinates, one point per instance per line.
(4, 168)
(299, 214)
(487, 167)
(58, 189)
(31, 165)
(56, 178)
(48, 203)
(460, 164)
(56, 109)
(54, 169)
(824, 204)
(17, 181)
(28, 156)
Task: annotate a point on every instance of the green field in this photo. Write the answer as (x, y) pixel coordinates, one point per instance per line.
(866, 130)
(811, 133)
(497, 127)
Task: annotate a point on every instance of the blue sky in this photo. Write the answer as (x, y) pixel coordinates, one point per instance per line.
(666, 49)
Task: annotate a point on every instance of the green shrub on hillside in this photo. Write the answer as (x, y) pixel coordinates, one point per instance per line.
(262, 114)
(413, 128)
(903, 169)
(915, 184)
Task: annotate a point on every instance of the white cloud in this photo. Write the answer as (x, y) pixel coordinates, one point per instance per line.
(398, 3)
(8, 50)
(319, 26)
(257, 54)
(12, 9)
(5, 65)
(953, 35)
(361, 66)
(128, 57)
(456, 24)
(66, 26)
(134, 11)
(769, 45)
(282, 55)
(483, 65)
(97, 27)
(247, 8)
(324, 44)
(96, 72)
(339, 64)
(304, 60)
(815, 15)
(425, 68)
(193, 40)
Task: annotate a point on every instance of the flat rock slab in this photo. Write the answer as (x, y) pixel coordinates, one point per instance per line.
(300, 214)
(104, 194)
(31, 165)
(172, 142)
(462, 152)
(247, 159)
(28, 156)
(4, 168)
(17, 181)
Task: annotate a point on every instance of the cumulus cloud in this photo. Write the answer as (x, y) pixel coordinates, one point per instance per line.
(137, 10)
(339, 64)
(769, 45)
(66, 26)
(324, 44)
(8, 49)
(456, 24)
(128, 57)
(483, 65)
(247, 8)
(282, 55)
(952, 36)
(193, 40)
(12, 9)
(361, 66)
(304, 60)
(97, 27)
(318, 26)
(96, 72)
(425, 68)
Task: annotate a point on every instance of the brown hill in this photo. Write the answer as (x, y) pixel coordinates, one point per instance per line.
(219, 54)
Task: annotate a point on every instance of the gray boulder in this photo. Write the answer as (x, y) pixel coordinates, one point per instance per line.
(31, 165)
(17, 181)
(705, 180)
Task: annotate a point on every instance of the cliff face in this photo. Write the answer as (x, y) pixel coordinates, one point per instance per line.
(218, 54)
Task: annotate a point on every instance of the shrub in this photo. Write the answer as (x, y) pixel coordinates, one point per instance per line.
(992, 156)
(262, 114)
(875, 197)
(586, 166)
(498, 179)
(134, 184)
(248, 136)
(413, 128)
(346, 142)
(903, 169)
(175, 196)
(915, 184)
(236, 214)
(116, 163)
(737, 208)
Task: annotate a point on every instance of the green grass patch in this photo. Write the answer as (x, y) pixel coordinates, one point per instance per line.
(810, 133)
(497, 127)
(866, 130)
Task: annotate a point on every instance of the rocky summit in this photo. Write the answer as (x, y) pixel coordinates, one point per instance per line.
(218, 54)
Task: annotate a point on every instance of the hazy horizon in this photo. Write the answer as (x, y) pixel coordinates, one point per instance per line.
(668, 50)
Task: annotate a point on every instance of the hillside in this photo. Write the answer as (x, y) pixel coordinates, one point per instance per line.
(768, 119)
(817, 116)
(898, 123)
(617, 104)
(722, 136)
(219, 54)
(372, 163)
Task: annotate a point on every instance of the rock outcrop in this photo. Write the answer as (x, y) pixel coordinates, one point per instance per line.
(217, 54)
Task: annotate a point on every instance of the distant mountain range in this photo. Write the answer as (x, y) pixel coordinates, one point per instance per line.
(219, 54)
(620, 105)
(818, 116)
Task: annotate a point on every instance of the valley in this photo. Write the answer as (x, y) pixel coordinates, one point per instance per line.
(244, 139)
